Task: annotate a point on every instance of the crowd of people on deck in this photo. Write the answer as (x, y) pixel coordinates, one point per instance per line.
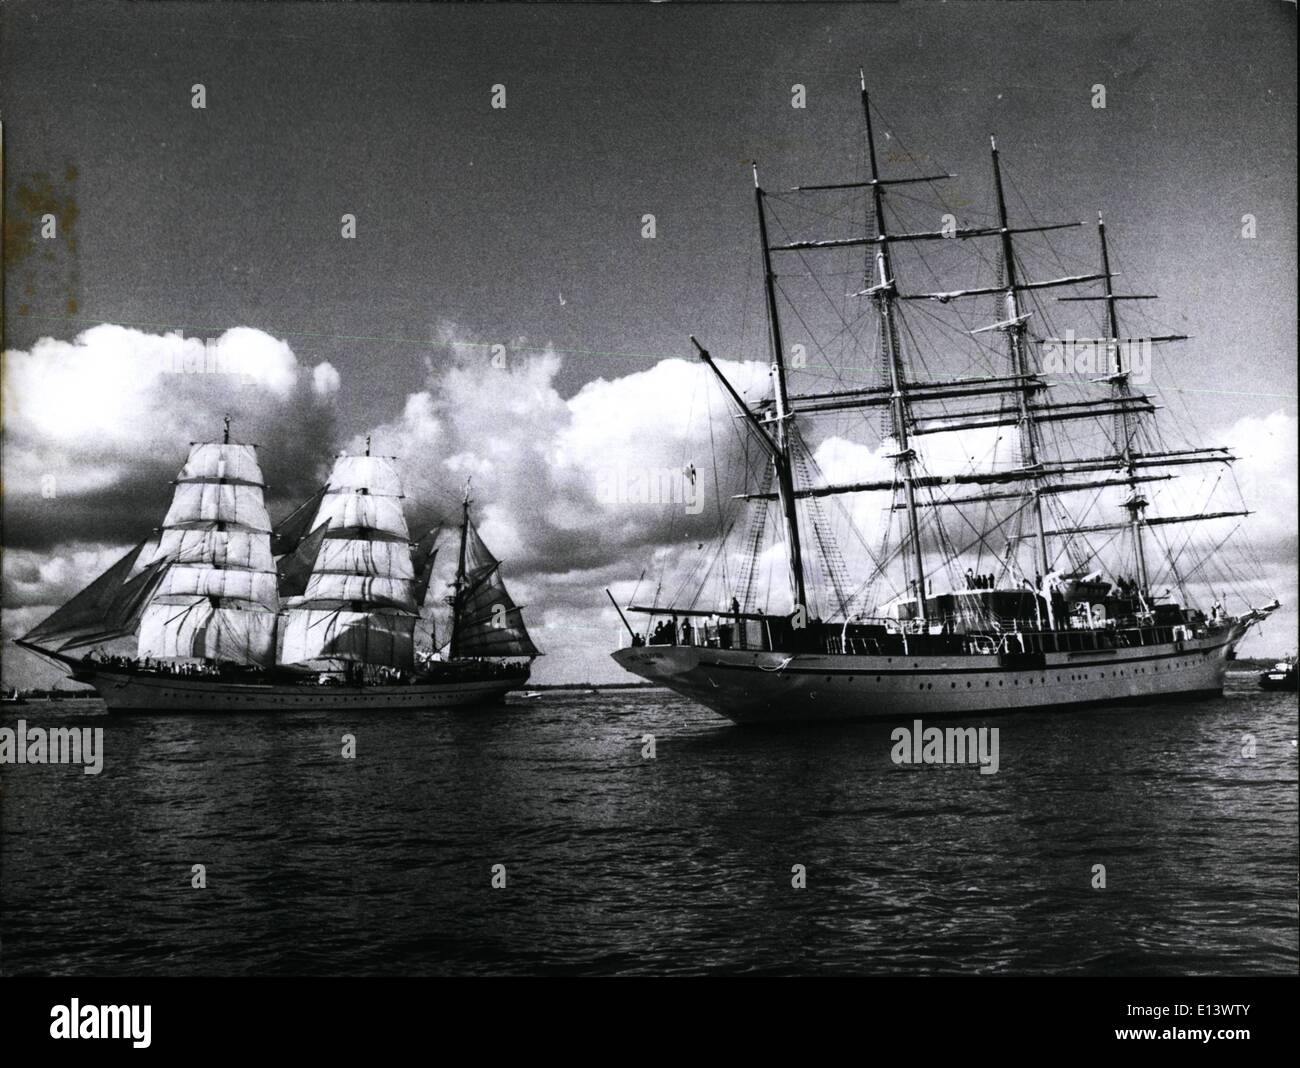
(666, 631)
(978, 582)
(149, 664)
(355, 675)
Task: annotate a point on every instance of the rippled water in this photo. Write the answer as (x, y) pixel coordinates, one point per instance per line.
(680, 864)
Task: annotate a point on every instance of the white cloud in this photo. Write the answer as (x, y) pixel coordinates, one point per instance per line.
(96, 427)
(325, 380)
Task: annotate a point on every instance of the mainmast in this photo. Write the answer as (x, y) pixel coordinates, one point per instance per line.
(1015, 331)
(885, 293)
(781, 458)
(1136, 503)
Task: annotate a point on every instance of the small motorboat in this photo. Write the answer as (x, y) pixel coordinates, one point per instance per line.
(1281, 676)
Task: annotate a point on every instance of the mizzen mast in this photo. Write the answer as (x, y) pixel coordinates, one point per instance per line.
(458, 589)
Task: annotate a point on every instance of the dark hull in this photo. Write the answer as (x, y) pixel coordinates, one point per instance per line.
(1286, 681)
(125, 691)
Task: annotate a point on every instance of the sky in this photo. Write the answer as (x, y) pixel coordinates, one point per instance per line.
(524, 227)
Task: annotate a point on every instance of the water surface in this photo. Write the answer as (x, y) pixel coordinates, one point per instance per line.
(681, 864)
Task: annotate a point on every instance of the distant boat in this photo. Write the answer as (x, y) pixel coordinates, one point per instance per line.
(321, 612)
(1281, 676)
(12, 697)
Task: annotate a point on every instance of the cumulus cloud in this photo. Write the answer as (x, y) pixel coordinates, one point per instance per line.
(96, 427)
(567, 484)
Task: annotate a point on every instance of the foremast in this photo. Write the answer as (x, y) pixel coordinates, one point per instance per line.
(218, 598)
(782, 415)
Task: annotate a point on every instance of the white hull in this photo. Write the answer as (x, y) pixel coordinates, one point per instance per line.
(125, 692)
(770, 687)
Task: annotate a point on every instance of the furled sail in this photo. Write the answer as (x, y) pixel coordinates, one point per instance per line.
(488, 622)
(358, 604)
(219, 599)
(110, 607)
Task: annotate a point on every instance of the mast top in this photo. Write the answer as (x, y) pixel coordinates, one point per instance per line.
(754, 164)
(862, 78)
(225, 433)
(465, 496)
(993, 142)
(367, 444)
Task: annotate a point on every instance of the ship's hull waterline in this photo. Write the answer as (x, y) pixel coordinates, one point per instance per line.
(127, 692)
(775, 687)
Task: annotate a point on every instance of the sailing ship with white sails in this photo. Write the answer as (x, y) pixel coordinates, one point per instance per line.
(989, 586)
(324, 611)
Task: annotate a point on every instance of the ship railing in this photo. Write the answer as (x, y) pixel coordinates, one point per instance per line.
(727, 634)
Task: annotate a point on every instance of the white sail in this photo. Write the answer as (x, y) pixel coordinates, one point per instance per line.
(395, 593)
(222, 461)
(359, 602)
(230, 548)
(198, 504)
(354, 556)
(321, 637)
(375, 475)
(198, 630)
(258, 588)
(221, 548)
(353, 511)
(219, 598)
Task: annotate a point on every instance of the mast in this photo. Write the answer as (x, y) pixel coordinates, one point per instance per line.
(1015, 330)
(785, 478)
(358, 609)
(486, 622)
(1136, 503)
(218, 599)
(458, 593)
(884, 292)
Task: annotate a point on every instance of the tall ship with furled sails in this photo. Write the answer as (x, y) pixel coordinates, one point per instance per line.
(325, 611)
(1000, 486)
